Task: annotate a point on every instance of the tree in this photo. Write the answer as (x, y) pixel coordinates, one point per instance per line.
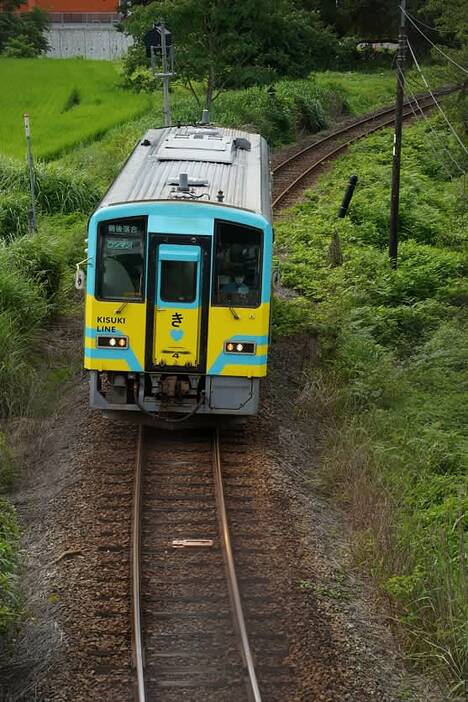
(221, 45)
(23, 35)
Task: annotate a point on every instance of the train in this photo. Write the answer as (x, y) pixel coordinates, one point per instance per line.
(178, 278)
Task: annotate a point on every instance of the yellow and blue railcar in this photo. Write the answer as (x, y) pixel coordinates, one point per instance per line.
(179, 277)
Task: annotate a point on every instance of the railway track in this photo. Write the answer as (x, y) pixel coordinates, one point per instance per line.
(190, 635)
(293, 173)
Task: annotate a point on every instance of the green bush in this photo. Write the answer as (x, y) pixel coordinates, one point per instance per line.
(21, 298)
(6, 464)
(19, 47)
(58, 188)
(14, 214)
(62, 190)
(9, 537)
(34, 257)
(22, 35)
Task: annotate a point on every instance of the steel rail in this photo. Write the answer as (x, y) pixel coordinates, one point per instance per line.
(137, 640)
(359, 122)
(237, 611)
(336, 151)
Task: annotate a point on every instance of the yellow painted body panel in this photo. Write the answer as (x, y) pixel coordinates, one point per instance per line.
(252, 324)
(176, 339)
(101, 317)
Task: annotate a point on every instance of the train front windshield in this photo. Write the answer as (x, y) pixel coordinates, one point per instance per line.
(121, 260)
(237, 265)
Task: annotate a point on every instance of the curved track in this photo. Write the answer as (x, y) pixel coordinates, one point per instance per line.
(290, 175)
(189, 633)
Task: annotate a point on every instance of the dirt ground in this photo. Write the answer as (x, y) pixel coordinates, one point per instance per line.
(342, 625)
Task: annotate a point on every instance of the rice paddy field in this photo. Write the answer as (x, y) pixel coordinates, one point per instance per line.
(69, 101)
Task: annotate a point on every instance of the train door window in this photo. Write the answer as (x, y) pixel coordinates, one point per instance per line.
(237, 274)
(178, 281)
(120, 269)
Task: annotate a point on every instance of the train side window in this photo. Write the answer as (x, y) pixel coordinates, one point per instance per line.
(121, 260)
(178, 281)
(237, 275)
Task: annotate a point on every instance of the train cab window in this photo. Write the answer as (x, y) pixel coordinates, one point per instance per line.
(178, 281)
(237, 266)
(121, 260)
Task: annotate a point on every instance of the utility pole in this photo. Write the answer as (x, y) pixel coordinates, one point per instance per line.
(160, 38)
(165, 76)
(27, 131)
(395, 201)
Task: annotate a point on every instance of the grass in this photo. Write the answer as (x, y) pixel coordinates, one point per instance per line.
(69, 101)
(362, 91)
(391, 379)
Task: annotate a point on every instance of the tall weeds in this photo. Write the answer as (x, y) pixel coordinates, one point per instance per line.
(390, 380)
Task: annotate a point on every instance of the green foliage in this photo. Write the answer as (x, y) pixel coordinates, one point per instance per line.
(393, 349)
(19, 47)
(290, 315)
(14, 214)
(72, 101)
(26, 86)
(20, 298)
(58, 189)
(236, 45)
(22, 35)
(137, 75)
(6, 463)
(35, 258)
(9, 537)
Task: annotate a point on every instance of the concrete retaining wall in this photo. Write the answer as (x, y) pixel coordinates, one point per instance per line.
(92, 41)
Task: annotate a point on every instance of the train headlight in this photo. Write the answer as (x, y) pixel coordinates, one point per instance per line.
(112, 342)
(244, 347)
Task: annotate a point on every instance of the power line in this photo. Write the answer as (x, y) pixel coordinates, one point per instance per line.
(433, 29)
(439, 139)
(449, 58)
(435, 134)
(435, 100)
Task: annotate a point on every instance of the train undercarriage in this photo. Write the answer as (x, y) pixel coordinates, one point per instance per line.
(153, 398)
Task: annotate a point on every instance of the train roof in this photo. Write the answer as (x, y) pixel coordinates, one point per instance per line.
(196, 163)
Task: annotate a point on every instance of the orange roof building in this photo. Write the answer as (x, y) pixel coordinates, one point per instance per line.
(79, 6)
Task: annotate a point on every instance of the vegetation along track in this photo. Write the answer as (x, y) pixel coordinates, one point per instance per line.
(189, 633)
(292, 174)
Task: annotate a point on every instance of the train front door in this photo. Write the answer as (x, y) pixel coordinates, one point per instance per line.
(181, 276)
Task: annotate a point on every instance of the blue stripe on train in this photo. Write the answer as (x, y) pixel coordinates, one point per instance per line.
(230, 359)
(126, 355)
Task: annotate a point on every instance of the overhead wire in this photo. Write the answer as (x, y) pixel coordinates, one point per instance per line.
(410, 81)
(452, 128)
(414, 101)
(428, 26)
(449, 58)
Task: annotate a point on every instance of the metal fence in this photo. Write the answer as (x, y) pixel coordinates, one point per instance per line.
(84, 17)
